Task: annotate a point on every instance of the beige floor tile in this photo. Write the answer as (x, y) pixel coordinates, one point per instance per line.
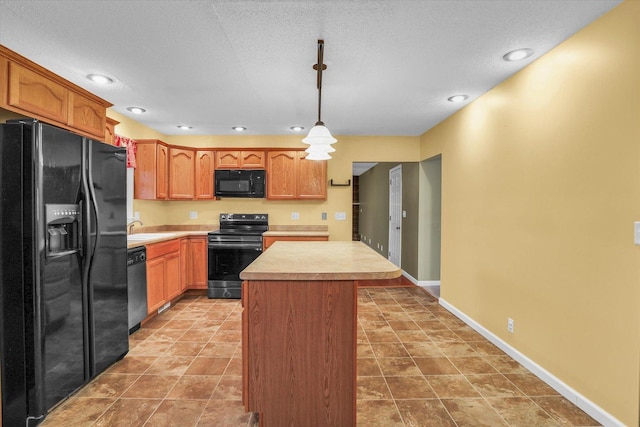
(410, 388)
(452, 386)
(151, 386)
(378, 413)
(128, 413)
(521, 411)
(78, 412)
(473, 413)
(424, 413)
(565, 412)
(172, 413)
(372, 388)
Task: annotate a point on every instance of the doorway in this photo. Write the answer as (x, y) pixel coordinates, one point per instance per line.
(395, 214)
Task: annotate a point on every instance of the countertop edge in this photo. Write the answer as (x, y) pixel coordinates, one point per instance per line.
(301, 277)
(176, 235)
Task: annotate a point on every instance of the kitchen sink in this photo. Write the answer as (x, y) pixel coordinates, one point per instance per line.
(148, 236)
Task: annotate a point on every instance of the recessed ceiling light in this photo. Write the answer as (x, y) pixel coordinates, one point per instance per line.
(297, 128)
(518, 54)
(100, 79)
(458, 98)
(184, 127)
(136, 110)
(239, 128)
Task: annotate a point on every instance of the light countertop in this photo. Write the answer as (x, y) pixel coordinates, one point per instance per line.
(163, 236)
(330, 260)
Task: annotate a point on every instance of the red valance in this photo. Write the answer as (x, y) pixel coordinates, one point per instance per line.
(130, 145)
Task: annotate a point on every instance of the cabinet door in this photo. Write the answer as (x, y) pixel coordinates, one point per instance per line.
(281, 174)
(252, 159)
(162, 171)
(199, 263)
(172, 261)
(185, 264)
(145, 175)
(227, 159)
(181, 173)
(87, 115)
(34, 93)
(156, 273)
(312, 178)
(204, 174)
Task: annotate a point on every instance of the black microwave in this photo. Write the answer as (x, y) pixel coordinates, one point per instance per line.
(239, 183)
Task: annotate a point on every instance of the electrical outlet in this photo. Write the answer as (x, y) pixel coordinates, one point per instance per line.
(193, 215)
(324, 216)
(295, 215)
(510, 325)
(136, 215)
(636, 232)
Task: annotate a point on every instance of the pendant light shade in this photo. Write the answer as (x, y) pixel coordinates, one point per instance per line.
(319, 137)
(319, 134)
(320, 148)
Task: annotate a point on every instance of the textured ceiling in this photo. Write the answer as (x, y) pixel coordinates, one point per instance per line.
(216, 64)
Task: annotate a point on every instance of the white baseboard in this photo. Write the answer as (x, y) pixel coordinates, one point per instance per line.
(599, 414)
(431, 286)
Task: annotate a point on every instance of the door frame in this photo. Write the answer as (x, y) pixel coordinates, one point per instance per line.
(395, 215)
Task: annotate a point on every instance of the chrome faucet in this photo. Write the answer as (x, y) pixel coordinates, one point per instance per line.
(130, 225)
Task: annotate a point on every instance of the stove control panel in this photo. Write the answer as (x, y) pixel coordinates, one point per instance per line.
(263, 218)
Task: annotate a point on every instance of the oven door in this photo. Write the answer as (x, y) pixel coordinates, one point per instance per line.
(226, 261)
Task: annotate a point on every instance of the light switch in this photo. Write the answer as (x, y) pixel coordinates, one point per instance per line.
(636, 232)
(341, 216)
(404, 214)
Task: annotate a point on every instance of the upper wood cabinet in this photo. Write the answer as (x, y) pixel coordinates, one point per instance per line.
(205, 161)
(167, 172)
(87, 115)
(181, 173)
(150, 175)
(312, 178)
(110, 130)
(281, 174)
(239, 159)
(31, 92)
(29, 89)
(291, 176)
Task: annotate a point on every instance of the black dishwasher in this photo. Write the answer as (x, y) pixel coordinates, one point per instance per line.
(137, 286)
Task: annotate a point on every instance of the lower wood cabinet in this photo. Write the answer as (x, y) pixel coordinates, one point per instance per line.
(193, 260)
(299, 352)
(199, 257)
(163, 273)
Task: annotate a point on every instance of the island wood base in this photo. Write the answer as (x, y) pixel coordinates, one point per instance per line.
(299, 352)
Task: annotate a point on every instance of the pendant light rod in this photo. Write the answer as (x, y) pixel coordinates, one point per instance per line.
(319, 67)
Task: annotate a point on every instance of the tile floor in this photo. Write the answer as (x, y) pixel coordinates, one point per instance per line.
(418, 365)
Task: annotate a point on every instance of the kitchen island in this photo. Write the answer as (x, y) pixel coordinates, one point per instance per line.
(299, 330)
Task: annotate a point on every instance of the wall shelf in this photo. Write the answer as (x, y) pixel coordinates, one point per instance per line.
(348, 184)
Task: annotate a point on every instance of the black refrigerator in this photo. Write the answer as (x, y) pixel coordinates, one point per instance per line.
(63, 265)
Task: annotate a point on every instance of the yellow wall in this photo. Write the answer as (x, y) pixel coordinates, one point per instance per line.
(541, 186)
(339, 199)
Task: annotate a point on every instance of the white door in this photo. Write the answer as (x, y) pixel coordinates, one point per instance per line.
(395, 214)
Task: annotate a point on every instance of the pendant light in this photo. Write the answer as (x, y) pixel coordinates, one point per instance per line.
(319, 137)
